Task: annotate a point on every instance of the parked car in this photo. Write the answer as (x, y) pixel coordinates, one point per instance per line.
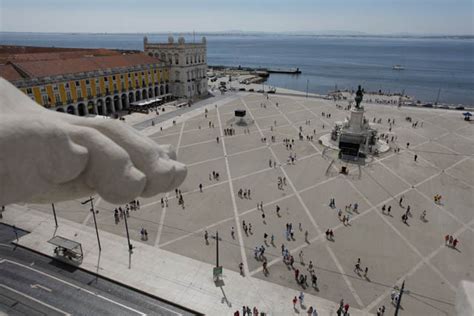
(251, 90)
(242, 89)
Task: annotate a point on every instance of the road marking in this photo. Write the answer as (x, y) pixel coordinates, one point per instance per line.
(73, 285)
(232, 195)
(39, 286)
(163, 213)
(308, 213)
(35, 300)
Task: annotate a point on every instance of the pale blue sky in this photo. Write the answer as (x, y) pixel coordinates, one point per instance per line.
(370, 16)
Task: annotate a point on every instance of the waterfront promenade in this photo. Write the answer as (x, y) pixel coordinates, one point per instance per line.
(175, 262)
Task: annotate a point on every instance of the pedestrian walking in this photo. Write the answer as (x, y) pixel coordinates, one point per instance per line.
(232, 233)
(366, 271)
(301, 298)
(200, 187)
(455, 242)
(241, 268)
(295, 300)
(314, 280)
(206, 237)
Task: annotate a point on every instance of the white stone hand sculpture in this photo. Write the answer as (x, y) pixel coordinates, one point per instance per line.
(47, 156)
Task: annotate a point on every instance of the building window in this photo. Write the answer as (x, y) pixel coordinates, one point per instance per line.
(29, 90)
(97, 90)
(57, 97)
(129, 75)
(113, 77)
(77, 84)
(79, 93)
(89, 92)
(68, 95)
(67, 85)
(106, 79)
(87, 81)
(45, 99)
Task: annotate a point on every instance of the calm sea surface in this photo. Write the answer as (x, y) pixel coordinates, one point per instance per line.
(430, 64)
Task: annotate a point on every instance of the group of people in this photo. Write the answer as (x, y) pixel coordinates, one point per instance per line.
(179, 197)
(230, 131)
(120, 212)
(246, 311)
(450, 241)
(244, 193)
(358, 269)
(281, 182)
(214, 175)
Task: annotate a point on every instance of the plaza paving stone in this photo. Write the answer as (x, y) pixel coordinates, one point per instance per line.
(457, 197)
(463, 171)
(392, 250)
(197, 136)
(200, 152)
(440, 300)
(438, 155)
(408, 169)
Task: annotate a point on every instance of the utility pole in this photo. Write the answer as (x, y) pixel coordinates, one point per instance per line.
(217, 249)
(307, 84)
(437, 98)
(130, 247)
(54, 213)
(400, 298)
(91, 199)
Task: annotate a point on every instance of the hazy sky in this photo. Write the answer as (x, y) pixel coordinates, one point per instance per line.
(370, 16)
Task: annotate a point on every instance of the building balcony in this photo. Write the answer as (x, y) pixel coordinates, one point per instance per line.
(116, 91)
(58, 103)
(69, 101)
(98, 95)
(80, 99)
(89, 97)
(47, 105)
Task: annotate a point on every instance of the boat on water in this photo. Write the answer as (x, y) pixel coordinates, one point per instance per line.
(398, 67)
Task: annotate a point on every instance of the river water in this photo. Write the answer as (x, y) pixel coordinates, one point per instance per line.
(432, 66)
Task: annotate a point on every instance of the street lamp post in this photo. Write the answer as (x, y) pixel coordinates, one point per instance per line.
(54, 213)
(91, 199)
(307, 84)
(402, 289)
(130, 246)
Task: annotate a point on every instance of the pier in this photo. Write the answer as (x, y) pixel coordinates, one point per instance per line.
(263, 72)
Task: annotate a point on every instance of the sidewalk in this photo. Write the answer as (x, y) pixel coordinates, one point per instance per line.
(175, 278)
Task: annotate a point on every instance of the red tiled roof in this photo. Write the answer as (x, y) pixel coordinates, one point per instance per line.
(13, 52)
(62, 55)
(46, 68)
(9, 72)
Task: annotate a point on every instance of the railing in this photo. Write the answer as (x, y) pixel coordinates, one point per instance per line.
(80, 99)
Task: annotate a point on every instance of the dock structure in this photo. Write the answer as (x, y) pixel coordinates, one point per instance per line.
(260, 71)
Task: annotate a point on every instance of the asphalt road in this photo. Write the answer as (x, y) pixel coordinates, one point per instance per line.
(32, 284)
